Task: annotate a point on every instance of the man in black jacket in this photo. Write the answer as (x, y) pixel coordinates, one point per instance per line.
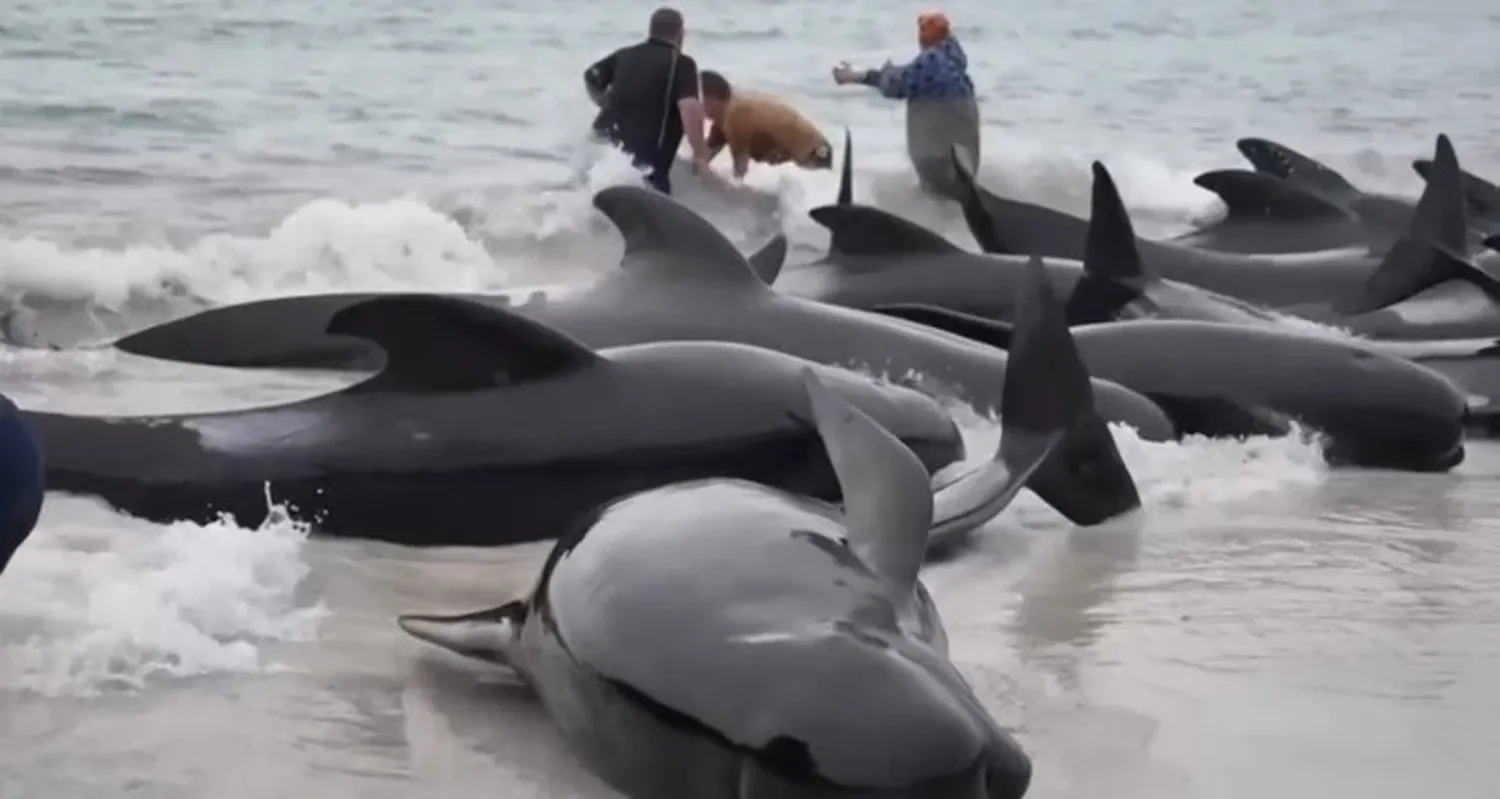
(648, 93)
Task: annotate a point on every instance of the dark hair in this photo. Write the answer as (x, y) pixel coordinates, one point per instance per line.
(715, 87)
(666, 23)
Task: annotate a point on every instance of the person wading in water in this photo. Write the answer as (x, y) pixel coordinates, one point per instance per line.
(648, 96)
(758, 127)
(941, 109)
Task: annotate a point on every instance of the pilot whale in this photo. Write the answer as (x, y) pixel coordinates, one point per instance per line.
(679, 279)
(811, 659)
(1293, 282)
(23, 480)
(877, 260)
(483, 428)
(1371, 409)
(1384, 216)
(1290, 202)
(41, 322)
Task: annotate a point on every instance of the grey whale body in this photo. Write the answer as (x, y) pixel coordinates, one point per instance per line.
(807, 659)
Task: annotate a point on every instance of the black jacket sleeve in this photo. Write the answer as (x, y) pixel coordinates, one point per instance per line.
(600, 76)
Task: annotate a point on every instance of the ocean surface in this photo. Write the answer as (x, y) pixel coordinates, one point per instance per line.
(1265, 627)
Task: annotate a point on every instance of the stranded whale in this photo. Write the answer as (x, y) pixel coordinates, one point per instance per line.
(810, 659)
(483, 428)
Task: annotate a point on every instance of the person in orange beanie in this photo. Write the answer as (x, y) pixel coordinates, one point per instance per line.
(941, 107)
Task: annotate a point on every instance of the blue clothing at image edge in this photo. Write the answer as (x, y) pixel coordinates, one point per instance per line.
(939, 72)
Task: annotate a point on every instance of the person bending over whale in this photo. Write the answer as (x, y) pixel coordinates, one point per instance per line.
(941, 108)
(757, 127)
(21, 480)
(648, 98)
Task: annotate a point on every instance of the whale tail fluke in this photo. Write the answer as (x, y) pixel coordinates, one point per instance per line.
(1052, 439)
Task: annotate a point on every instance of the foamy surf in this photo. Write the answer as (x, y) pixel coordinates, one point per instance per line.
(95, 601)
(1192, 474)
(485, 238)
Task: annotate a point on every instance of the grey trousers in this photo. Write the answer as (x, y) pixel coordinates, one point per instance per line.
(932, 128)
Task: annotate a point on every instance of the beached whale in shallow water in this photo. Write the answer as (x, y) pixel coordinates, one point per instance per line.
(1290, 202)
(809, 660)
(680, 279)
(22, 480)
(1305, 284)
(483, 428)
(877, 259)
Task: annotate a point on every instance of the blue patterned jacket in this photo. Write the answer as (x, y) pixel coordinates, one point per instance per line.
(940, 72)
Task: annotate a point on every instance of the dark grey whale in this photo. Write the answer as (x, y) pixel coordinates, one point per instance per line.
(810, 659)
(877, 259)
(1290, 202)
(680, 279)
(1211, 379)
(40, 322)
(1373, 409)
(1385, 216)
(1266, 214)
(483, 428)
(1294, 283)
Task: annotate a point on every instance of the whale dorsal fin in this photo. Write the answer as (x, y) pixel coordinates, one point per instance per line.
(846, 175)
(766, 262)
(1274, 158)
(1441, 215)
(1248, 194)
(867, 230)
(1482, 198)
(1113, 274)
(887, 497)
(665, 237)
(436, 343)
(1111, 249)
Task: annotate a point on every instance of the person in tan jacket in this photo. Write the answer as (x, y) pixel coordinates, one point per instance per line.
(758, 127)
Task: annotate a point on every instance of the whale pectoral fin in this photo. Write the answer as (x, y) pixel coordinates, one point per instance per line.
(1482, 201)
(846, 174)
(887, 500)
(486, 635)
(1084, 477)
(866, 230)
(1248, 194)
(1279, 160)
(665, 239)
(975, 328)
(768, 260)
(436, 343)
